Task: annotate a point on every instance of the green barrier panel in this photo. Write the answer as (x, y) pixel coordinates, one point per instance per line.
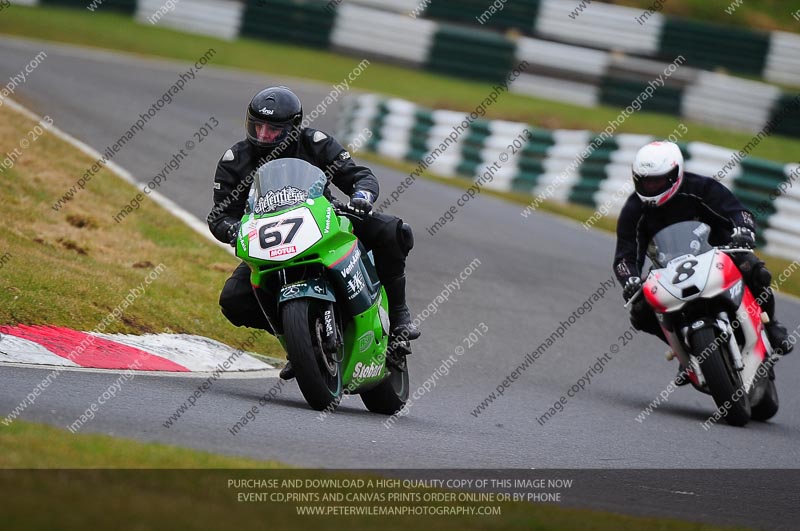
(786, 115)
(376, 125)
(486, 13)
(290, 21)
(418, 141)
(471, 160)
(621, 92)
(530, 162)
(468, 168)
(124, 6)
(710, 46)
(476, 55)
(524, 183)
(592, 172)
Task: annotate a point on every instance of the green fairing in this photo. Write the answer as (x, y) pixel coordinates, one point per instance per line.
(365, 339)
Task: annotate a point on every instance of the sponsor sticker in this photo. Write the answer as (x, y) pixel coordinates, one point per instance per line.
(362, 371)
(282, 251)
(276, 199)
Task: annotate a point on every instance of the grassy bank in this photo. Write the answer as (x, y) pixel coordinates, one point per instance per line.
(28, 445)
(117, 32)
(75, 266)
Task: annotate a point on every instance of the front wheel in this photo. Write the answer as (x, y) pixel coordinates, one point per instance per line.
(389, 396)
(318, 373)
(722, 380)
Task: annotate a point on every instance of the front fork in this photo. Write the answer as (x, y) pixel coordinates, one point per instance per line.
(724, 334)
(332, 334)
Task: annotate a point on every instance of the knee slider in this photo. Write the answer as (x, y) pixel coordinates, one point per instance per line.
(405, 237)
(638, 314)
(395, 239)
(762, 275)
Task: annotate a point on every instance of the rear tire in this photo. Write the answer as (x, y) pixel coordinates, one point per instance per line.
(722, 380)
(318, 375)
(389, 396)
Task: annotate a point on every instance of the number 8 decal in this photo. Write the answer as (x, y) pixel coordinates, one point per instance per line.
(684, 271)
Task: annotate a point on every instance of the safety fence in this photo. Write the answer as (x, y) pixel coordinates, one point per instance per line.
(557, 71)
(567, 166)
(774, 55)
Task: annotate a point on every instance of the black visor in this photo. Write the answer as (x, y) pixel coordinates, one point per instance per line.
(266, 134)
(654, 185)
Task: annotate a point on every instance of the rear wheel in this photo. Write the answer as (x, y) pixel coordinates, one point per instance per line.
(721, 378)
(389, 396)
(318, 373)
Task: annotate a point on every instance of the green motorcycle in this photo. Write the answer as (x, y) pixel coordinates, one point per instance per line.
(332, 312)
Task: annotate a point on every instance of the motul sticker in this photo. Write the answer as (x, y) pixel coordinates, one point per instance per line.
(283, 251)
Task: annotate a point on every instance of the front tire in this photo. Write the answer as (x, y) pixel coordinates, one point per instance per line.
(318, 374)
(722, 380)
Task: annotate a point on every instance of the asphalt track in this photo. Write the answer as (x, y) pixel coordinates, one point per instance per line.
(533, 273)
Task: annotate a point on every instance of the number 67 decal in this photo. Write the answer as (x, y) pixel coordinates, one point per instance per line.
(272, 238)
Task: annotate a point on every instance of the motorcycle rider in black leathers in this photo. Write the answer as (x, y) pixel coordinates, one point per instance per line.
(273, 130)
(665, 195)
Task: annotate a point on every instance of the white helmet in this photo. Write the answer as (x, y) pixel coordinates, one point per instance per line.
(657, 172)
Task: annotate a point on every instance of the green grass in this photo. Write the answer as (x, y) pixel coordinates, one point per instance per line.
(108, 30)
(28, 445)
(73, 267)
(757, 14)
(174, 494)
(579, 213)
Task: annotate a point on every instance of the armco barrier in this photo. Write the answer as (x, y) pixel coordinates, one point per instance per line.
(552, 160)
(772, 55)
(556, 71)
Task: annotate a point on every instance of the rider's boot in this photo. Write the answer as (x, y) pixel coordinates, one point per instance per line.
(287, 373)
(400, 324)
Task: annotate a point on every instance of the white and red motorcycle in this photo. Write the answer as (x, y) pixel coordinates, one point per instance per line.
(712, 321)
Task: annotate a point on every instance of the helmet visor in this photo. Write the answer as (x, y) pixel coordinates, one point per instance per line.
(266, 134)
(654, 185)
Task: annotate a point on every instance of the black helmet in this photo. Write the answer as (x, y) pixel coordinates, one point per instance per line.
(272, 115)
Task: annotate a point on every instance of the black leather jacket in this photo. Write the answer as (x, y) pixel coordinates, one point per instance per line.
(236, 167)
(698, 198)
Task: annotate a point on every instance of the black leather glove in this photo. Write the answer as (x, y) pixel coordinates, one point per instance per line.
(361, 202)
(743, 237)
(232, 233)
(632, 285)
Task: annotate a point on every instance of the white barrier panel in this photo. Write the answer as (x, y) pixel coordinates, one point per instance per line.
(783, 58)
(549, 88)
(601, 25)
(217, 18)
(725, 101)
(545, 54)
(378, 33)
